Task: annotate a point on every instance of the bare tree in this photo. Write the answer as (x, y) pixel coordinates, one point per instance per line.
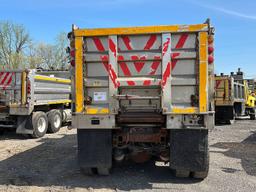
(60, 51)
(32, 58)
(50, 56)
(14, 39)
(45, 53)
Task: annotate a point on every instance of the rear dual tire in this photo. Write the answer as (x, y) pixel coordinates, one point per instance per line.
(253, 114)
(195, 174)
(55, 121)
(189, 154)
(93, 171)
(39, 124)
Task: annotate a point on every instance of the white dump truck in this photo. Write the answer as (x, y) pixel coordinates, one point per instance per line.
(34, 101)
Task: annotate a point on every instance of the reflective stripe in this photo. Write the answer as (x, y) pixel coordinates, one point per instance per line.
(203, 71)
(53, 79)
(59, 102)
(79, 92)
(23, 88)
(184, 110)
(6, 79)
(96, 110)
(140, 30)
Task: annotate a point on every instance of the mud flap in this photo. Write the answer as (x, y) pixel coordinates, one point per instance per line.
(94, 148)
(24, 125)
(189, 149)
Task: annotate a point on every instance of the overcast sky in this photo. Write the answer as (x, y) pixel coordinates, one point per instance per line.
(234, 21)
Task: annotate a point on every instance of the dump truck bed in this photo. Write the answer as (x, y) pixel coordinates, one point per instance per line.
(227, 91)
(169, 64)
(21, 90)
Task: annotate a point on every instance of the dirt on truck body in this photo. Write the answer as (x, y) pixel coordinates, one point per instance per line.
(143, 93)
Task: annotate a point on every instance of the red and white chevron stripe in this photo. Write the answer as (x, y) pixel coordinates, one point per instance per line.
(6, 79)
(139, 62)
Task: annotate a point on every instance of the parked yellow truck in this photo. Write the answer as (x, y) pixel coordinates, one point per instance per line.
(234, 97)
(250, 104)
(143, 93)
(229, 99)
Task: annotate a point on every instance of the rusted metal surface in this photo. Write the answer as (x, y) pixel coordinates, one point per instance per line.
(138, 135)
(140, 157)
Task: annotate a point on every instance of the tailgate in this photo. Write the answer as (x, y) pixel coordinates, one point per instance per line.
(150, 68)
(223, 90)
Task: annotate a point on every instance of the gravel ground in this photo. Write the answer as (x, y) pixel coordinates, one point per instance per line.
(50, 164)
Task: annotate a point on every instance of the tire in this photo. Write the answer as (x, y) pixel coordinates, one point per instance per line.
(39, 123)
(103, 171)
(55, 121)
(202, 174)
(252, 116)
(182, 173)
(230, 122)
(87, 171)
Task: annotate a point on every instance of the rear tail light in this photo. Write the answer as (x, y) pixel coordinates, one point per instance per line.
(72, 63)
(28, 87)
(72, 53)
(72, 49)
(210, 49)
(210, 59)
(72, 57)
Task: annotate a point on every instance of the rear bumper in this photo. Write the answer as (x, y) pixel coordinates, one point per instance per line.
(82, 121)
(179, 121)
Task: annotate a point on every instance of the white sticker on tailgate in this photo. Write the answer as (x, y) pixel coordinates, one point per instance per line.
(100, 96)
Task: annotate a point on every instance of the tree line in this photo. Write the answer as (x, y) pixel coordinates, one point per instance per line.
(19, 51)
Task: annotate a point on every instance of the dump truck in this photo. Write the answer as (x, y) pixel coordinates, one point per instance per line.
(34, 101)
(251, 85)
(230, 99)
(250, 105)
(234, 97)
(143, 93)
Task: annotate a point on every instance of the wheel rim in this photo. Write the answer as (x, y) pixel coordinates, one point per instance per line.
(56, 121)
(41, 124)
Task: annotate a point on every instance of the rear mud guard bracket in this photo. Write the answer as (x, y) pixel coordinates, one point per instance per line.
(23, 123)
